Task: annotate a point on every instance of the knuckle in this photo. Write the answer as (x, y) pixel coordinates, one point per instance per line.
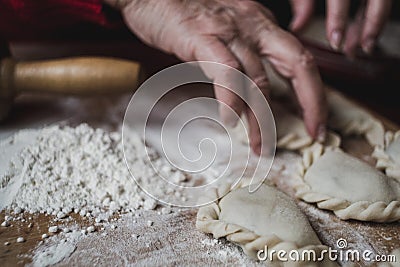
(224, 13)
(231, 63)
(223, 10)
(253, 10)
(250, 7)
(306, 59)
(267, 26)
(336, 16)
(261, 81)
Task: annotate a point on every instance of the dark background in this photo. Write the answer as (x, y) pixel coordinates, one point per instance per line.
(373, 81)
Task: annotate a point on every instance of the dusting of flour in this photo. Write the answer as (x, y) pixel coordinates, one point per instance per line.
(80, 171)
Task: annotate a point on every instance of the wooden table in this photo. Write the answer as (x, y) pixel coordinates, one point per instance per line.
(175, 233)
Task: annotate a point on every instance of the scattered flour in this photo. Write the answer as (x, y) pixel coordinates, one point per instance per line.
(57, 251)
(79, 170)
(53, 229)
(61, 170)
(171, 241)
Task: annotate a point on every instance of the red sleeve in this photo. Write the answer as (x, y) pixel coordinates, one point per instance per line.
(28, 17)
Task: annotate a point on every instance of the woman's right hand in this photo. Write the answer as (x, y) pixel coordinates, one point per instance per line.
(238, 33)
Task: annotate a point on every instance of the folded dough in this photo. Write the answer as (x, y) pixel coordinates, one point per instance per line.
(291, 132)
(396, 263)
(349, 119)
(388, 156)
(266, 217)
(349, 187)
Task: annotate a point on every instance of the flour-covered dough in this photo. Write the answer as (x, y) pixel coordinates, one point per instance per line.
(388, 156)
(292, 133)
(349, 119)
(348, 186)
(394, 260)
(266, 217)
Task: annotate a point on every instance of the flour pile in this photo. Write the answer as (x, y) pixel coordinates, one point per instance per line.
(80, 170)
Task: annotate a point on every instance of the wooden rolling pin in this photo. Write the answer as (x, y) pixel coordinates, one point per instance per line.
(70, 76)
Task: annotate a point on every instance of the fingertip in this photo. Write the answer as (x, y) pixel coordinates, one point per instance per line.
(315, 121)
(349, 49)
(368, 45)
(295, 25)
(335, 39)
(255, 139)
(302, 12)
(229, 117)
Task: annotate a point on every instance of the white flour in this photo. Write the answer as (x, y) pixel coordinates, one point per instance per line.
(170, 241)
(62, 249)
(61, 170)
(77, 170)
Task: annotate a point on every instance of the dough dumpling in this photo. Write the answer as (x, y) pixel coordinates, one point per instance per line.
(349, 187)
(349, 119)
(266, 217)
(292, 134)
(388, 157)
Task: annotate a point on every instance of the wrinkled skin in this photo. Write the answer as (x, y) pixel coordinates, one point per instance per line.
(363, 31)
(239, 34)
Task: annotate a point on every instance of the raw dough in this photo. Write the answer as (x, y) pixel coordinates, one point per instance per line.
(266, 217)
(348, 186)
(395, 253)
(388, 157)
(348, 119)
(291, 131)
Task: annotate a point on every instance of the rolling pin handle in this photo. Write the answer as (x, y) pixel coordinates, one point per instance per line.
(69, 76)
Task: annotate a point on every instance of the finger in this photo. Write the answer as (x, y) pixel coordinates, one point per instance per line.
(376, 14)
(212, 49)
(254, 132)
(253, 67)
(352, 40)
(337, 15)
(251, 64)
(302, 11)
(291, 60)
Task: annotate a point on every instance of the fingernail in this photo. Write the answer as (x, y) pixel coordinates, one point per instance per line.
(336, 39)
(321, 135)
(368, 46)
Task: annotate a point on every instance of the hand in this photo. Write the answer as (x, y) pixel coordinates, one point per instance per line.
(363, 31)
(238, 34)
